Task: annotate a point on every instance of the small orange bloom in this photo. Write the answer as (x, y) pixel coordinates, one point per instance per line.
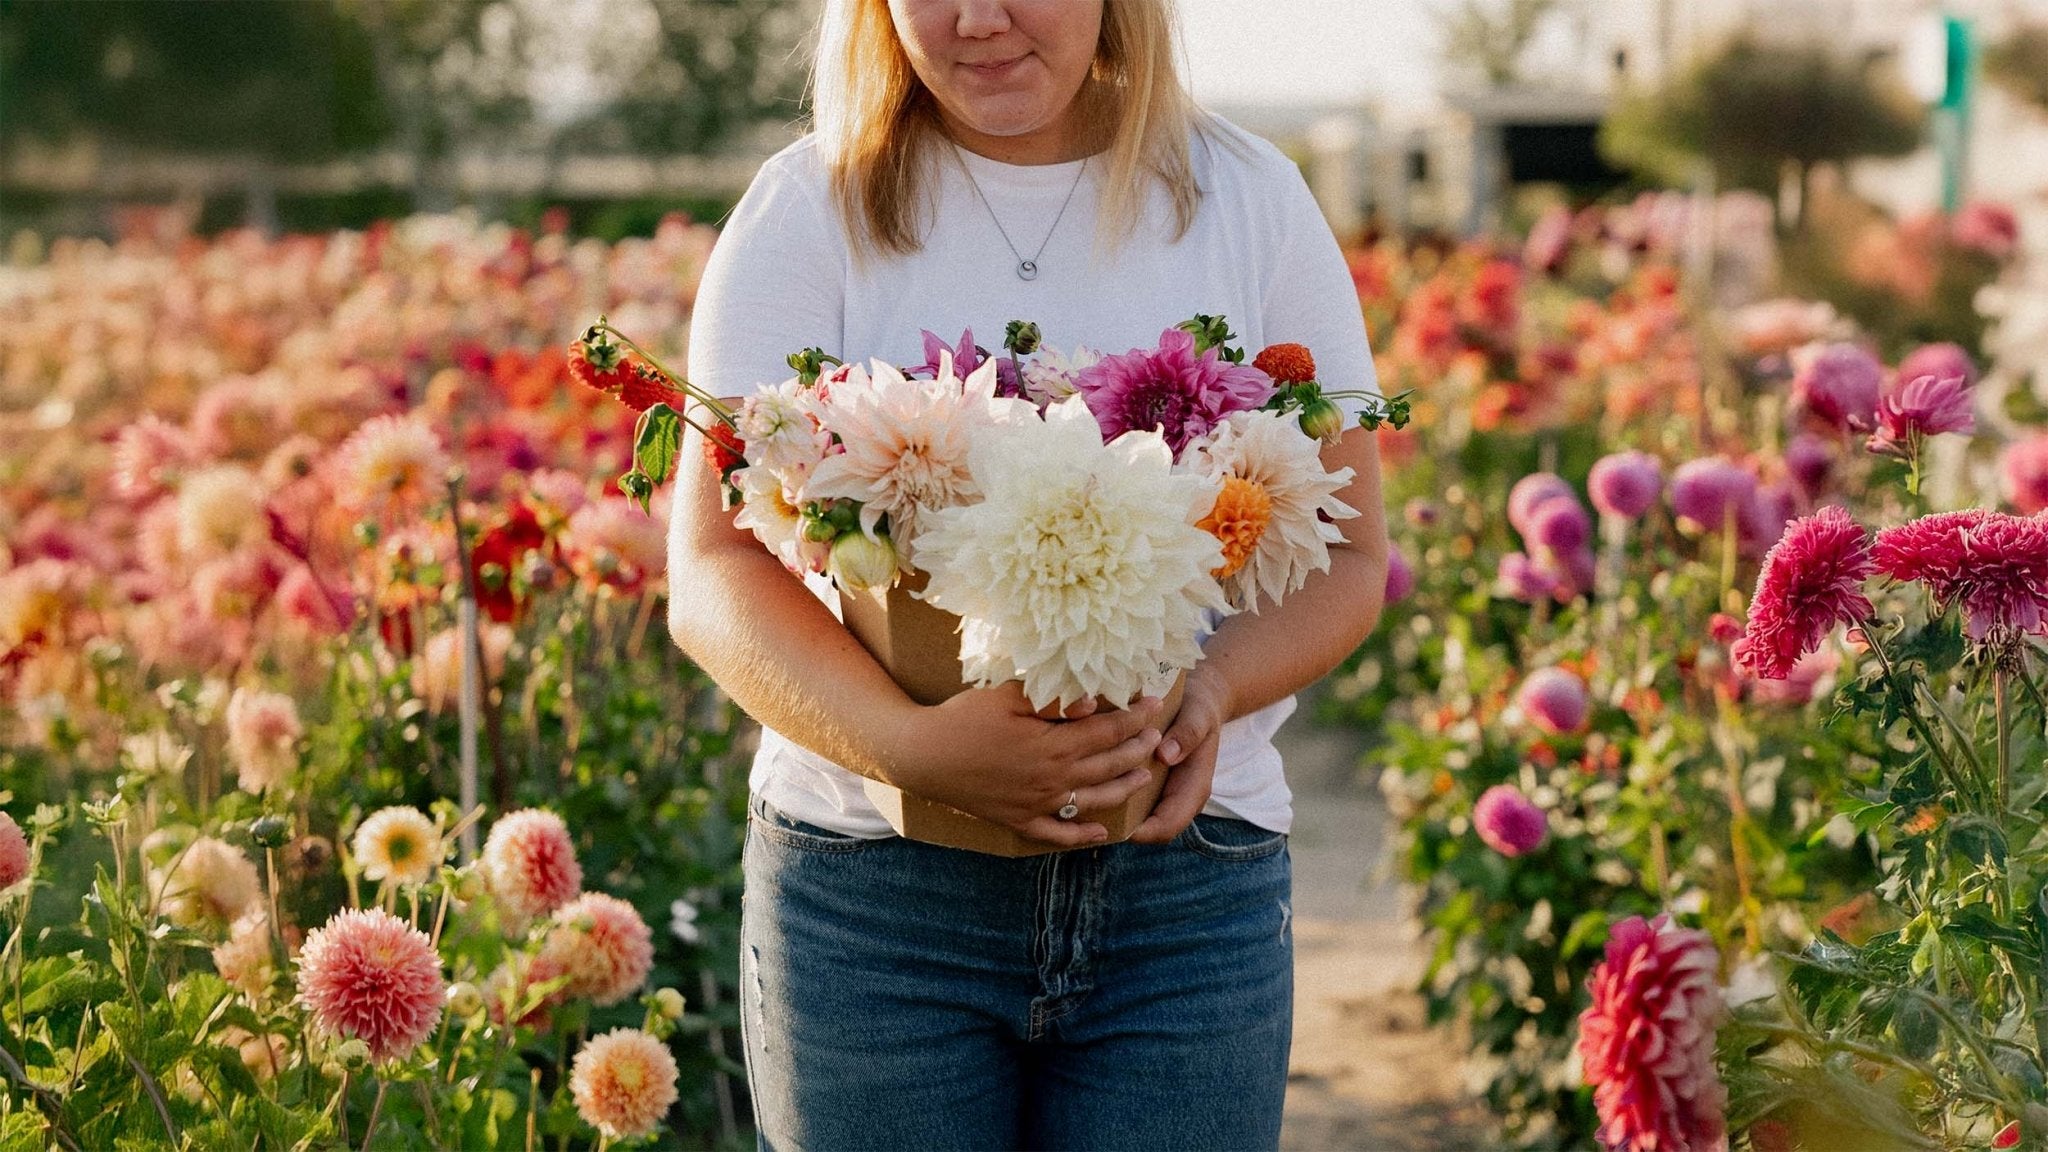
(1286, 363)
(1239, 519)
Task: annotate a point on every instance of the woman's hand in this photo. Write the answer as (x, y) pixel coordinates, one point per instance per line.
(1189, 752)
(988, 753)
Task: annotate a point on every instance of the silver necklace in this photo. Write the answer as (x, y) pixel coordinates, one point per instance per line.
(1027, 269)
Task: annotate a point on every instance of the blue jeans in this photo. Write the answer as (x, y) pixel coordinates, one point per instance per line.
(899, 995)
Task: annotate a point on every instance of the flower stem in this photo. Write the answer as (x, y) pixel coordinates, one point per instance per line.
(709, 401)
(1729, 601)
(2004, 717)
(376, 1110)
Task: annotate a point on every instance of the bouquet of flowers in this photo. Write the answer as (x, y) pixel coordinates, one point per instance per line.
(1087, 518)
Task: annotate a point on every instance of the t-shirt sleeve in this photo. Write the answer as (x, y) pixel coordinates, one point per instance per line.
(774, 284)
(1310, 298)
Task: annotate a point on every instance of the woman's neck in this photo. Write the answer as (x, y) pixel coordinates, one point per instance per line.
(1076, 135)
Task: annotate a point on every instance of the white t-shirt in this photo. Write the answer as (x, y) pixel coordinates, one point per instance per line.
(782, 277)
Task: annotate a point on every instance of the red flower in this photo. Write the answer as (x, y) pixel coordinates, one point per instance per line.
(645, 387)
(1993, 564)
(1812, 580)
(1286, 363)
(498, 554)
(723, 448)
(1647, 1041)
(602, 365)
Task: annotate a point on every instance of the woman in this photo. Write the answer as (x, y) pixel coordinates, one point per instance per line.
(974, 162)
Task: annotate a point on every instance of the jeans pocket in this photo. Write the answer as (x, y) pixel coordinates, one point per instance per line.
(778, 827)
(1223, 838)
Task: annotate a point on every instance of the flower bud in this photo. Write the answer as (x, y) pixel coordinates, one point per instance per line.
(861, 561)
(669, 1003)
(819, 530)
(466, 884)
(1022, 337)
(465, 1000)
(1322, 420)
(270, 831)
(352, 1054)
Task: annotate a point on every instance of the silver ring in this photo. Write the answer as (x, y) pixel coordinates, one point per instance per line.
(1069, 810)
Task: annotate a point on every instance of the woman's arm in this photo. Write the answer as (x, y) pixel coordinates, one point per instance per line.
(1254, 660)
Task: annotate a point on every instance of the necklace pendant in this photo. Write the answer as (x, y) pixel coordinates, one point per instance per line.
(1027, 270)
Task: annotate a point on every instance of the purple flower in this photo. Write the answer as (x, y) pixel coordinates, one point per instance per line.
(1939, 360)
(1840, 384)
(1169, 388)
(1560, 527)
(1923, 405)
(1520, 578)
(1809, 459)
(1706, 490)
(1763, 518)
(1400, 577)
(1554, 700)
(1625, 484)
(1508, 822)
(966, 358)
(1532, 491)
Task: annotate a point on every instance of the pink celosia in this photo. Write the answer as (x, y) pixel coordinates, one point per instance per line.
(1400, 578)
(1811, 581)
(1941, 361)
(1839, 384)
(623, 1082)
(603, 945)
(1923, 406)
(369, 975)
(1625, 484)
(1508, 822)
(1554, 700)
(1532, 492)
(263, 734)
(1706, 491)
(1169, 388)
(13, 853)
(2026, 473)
(1647, 1041)
(1992, 565)
(530, 863)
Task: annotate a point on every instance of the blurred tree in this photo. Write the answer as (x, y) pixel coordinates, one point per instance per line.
(279, 81)
(1754, 111)
(1488, 38)
(2019, 64)
(712, 69)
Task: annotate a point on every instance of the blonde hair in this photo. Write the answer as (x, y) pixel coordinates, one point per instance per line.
(879, 129)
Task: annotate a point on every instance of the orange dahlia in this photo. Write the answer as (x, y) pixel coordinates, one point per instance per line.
(624, 1082)
(1243, 509)
(1286, 363)
(603, 945)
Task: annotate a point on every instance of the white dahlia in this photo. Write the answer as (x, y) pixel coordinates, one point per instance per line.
(906, 444)
(1049, 376)
(768, 511)
(1268, 451)
(780, 428)
(1081, 572)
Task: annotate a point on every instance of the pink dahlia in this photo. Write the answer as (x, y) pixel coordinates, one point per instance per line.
(1940, 361)
(623, 1082)
(1647, 1041)
(13, 853)
(263, 736)
(1508, 822)
(1532, 492)
(1625, 484)
(603, 945)
(149, 457)
(530, 863)
(1994, 565)
(370, 975)
(1839, 384)
(1400, 578)
(1923, 406)
(2026, 473)
(1705, 491)
(1554, 700)
(1169, 388)
(1811, 581)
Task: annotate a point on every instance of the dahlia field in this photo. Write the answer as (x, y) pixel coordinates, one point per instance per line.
(352, 794)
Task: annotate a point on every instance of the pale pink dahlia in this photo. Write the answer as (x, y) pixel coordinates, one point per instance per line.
(1994, 565)
(263, 735)
(1647, 1041)
(603, 945)
(370, 975)
(612, 542)
(1169, 388)
(13, 853)
(1839, 384)
(1554, 700)
(1508, 822)
(209, 884)
(391, 466)
(246, 961)
(2026, 473)
(530, 863)
(1625, 484)
(1706, 491)
(1812, 580)
(623, 1082)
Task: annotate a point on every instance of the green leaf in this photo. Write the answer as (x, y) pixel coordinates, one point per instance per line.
(1976, 922)
(660, 442)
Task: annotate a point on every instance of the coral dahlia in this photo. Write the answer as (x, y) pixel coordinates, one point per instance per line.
(530, 863)
(369, 975)
(1169, 389)
(623, 1082)
(398, 844)
(1286, 363)
(1812, 580)
(603, 946)
(1647, 1041)
(1991, 564)
(13, 853)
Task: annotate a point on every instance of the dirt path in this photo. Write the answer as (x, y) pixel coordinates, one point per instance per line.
(1367, 1074)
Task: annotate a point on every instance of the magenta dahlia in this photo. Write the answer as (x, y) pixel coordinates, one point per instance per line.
(1625, 484)
(1508, 822)
(1940, 361)
(1169, 388)
(1992, 564)
(370, 975)
(1705, 491)
(1400, 578)
(1839, 384)
(1532, 492)
(1811, 581)
(1647, 1041)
